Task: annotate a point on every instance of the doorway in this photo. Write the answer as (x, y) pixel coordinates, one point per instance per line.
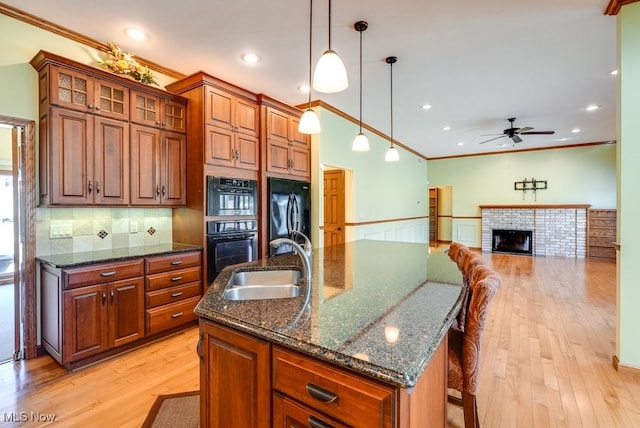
(18, 322)
(334, 207)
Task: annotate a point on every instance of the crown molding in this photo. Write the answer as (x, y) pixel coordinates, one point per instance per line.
(49, 26)
(614, 6)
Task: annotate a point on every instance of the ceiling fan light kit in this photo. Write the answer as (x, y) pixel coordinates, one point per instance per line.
(514, 133)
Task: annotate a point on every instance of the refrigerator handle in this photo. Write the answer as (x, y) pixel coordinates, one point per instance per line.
(289, 216)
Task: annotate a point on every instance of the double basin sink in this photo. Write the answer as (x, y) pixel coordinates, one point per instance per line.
(262, 284)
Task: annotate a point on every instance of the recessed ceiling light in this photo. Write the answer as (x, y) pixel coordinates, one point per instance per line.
(304, 89)
(446, 128)
(614, 72)
(563, 139)
(592, 107)
(426, 107)
(460, 143)
(136, 34)
(250, 58)
(575, 130)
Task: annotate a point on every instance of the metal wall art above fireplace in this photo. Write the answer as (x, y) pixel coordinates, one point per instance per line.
(512, 241)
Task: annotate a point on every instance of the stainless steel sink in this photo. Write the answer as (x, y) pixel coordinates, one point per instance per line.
(262, 284)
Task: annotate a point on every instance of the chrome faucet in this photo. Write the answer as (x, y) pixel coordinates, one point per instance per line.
(304, 256)
(307, 241)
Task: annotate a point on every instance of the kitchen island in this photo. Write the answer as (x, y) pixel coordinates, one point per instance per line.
(369, 349)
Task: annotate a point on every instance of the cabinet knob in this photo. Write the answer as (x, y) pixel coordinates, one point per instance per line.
(89, 187)
(164, 189)
(157, 190)
(97, 187)
(113, 295)
(90, 106)
(97, 108)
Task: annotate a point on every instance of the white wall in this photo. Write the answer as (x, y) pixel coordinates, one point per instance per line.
(581, 175)
(380, 192)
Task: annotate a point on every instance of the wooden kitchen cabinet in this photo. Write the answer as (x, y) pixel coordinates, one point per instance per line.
(159, 112)
(288, 413)
(173, 287)
(158, 167)
(231, 129)
(89, 310)
(86, 139)
(287, 152)
(235, 383)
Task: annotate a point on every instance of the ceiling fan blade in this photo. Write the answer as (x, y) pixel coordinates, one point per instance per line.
(537, 133)
(516, 139)
(491, 139)
(523, 130)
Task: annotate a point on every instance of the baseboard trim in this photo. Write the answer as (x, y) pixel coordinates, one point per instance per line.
(615, 361)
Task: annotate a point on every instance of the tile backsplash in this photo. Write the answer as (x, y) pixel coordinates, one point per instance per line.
(100, 228)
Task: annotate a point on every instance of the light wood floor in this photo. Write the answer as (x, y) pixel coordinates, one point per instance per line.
(546, 361)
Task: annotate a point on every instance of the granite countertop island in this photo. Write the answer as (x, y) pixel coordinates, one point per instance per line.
(379, 308)
(69, 260)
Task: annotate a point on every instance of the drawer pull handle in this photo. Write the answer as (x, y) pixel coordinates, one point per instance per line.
(176, 262)
(106, 274)
(178, 294)
(317, 423)
(178, 315)
(176, 278)
(320, 394)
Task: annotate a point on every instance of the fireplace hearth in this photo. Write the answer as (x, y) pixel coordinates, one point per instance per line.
(512, 241)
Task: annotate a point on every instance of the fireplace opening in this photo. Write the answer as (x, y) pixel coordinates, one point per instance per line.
(512, 241)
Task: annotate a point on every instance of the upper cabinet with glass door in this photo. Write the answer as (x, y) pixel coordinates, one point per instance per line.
(78, 91)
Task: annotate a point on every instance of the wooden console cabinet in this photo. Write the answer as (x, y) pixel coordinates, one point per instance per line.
(601, 233)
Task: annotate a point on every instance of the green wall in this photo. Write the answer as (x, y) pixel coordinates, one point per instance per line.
(580, 175)
(628, 345)
(377, 191)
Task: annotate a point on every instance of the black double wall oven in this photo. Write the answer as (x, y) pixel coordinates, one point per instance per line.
(232, 231)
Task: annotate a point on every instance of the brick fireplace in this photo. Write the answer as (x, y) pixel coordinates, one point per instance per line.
(556, 230)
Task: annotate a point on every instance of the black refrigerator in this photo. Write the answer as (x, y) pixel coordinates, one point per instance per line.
(289, 211)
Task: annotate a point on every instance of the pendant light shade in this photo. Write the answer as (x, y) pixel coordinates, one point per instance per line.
(392, 153)
(360, 143)
(330, 75)
(309, 122)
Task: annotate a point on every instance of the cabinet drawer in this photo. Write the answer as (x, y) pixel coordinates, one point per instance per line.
(171, 315)
(101, 273)
(602, 252)
(171, 294)
(352, 399)
(172, 261)
(289, 413)
(169, 279)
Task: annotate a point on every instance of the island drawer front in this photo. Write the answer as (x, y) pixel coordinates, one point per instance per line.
(172, 262)
(290, 413)
(101, 273)
(352, 399)
(171, 294)
(169, 279)
(171, 315)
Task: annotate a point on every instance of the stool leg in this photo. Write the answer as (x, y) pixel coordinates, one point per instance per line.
(470, 410)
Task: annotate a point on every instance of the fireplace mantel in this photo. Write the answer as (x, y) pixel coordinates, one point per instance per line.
(561, 206)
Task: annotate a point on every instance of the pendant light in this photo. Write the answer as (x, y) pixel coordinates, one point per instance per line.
(392, 154)
(360, 143)
(330, 75)
(309, 122)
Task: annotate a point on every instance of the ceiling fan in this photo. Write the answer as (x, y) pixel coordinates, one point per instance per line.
(514, 133)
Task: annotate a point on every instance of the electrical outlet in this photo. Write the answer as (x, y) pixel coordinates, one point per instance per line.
(133, 227)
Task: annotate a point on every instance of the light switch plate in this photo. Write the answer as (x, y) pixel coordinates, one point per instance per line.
(61, 229)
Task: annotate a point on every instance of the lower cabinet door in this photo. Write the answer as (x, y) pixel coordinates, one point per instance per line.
(288, 413)
(85, 322)
(126, 311)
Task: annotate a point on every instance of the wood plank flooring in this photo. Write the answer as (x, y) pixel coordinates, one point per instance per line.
(546, 361)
